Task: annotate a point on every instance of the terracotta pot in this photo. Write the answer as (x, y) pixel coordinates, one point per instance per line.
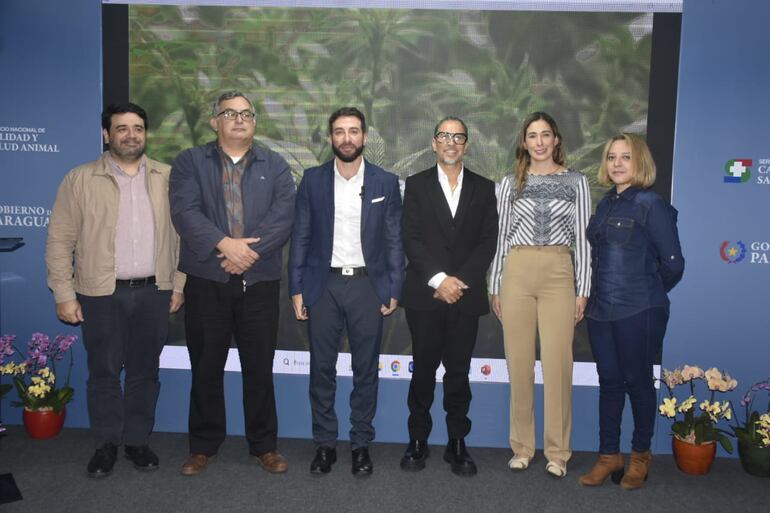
(693, 459)
(42, 424)
(754, 460)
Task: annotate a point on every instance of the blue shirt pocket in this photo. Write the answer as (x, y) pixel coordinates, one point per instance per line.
(619, 229)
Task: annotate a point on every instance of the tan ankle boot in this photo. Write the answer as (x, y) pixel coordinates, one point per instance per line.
(638, 469)
(607, 465)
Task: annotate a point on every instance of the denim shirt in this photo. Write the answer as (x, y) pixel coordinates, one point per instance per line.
(636, 256)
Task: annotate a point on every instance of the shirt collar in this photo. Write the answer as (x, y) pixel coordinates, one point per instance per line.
(443, 178)
(248, 155)
(629, 194)
(115, 167)
(358, 177)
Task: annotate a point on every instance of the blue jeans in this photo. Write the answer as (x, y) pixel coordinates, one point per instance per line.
(625, 351)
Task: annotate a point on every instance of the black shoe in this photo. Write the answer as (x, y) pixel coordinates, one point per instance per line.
(102, 461)
(362, 463)
(415, 456)
(142, 457)
(325, 457)
(457, 456)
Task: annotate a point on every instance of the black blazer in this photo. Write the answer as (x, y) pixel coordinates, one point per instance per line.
(435, 242)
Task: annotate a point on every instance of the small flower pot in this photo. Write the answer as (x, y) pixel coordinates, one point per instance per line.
(42, 424)
(693, 459)
(754, 460)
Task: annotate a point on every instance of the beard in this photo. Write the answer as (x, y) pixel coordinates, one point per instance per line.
(129, 153)
(349, 157)
(450, 161)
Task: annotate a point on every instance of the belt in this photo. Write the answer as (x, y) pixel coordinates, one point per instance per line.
(137, 282)
(349, 271)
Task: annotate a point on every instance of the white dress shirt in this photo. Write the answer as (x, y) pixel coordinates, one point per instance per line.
(452, 199)
(348, 198)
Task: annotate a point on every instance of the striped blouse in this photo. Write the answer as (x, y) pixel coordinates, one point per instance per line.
(553, 210)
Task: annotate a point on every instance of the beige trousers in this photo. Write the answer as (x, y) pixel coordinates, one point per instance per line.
(537, 295)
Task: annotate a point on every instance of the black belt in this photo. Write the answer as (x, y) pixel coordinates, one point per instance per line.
(349, 271)
(137, 282)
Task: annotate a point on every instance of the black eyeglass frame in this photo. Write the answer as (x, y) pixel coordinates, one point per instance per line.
(232, 114)
(458, 138)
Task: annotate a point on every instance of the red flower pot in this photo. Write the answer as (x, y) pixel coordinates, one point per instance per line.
(693, 459)
(42, 424)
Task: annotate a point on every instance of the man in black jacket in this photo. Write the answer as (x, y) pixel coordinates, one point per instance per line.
(449, 231)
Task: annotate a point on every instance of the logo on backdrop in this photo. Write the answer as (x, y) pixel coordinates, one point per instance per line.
(25, 139)
(24, 216)
(739, 171)
(757, 252)
(732, 253)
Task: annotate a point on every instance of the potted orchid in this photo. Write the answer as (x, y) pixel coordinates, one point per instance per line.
(754, 433)
(695, 434)
(35, 381)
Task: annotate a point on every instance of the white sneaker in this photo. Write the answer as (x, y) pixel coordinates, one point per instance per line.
(556, 468)
(519, 462)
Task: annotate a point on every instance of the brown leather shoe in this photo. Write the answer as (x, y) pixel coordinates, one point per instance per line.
(638, 470)
(196, 464)
(606, 465)
(273, 462)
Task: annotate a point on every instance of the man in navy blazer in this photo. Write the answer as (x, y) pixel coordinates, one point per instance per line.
(346, 267)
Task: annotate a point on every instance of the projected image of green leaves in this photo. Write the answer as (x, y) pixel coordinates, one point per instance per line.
(405, 69)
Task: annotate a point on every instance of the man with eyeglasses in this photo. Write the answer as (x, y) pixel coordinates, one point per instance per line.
(232, 203)
(449, 229)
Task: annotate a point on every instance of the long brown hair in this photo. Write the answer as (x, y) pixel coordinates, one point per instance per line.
(523, 159)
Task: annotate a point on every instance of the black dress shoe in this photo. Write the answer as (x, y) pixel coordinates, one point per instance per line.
(324, 458)
(415, 456)
(362, 463)
(142, 457)
(102, 461)
(457, 456)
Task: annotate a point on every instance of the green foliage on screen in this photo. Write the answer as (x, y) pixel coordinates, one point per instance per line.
(405, 69)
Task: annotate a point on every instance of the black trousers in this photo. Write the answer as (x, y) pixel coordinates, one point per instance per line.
(349, 302)
(215, 314)
(125, 330)
(446, 336)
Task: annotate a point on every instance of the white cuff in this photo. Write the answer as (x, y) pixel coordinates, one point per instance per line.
(436, 280)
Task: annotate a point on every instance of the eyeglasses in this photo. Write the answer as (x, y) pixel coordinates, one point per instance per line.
(230, 114)
(445, 137)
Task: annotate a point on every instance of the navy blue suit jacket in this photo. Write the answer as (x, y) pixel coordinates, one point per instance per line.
(312, 237)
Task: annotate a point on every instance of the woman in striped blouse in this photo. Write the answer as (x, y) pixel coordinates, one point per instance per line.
(544, 209)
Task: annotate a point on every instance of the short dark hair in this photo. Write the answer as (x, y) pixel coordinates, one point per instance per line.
(229, 95)
(450, 118)
(347, 112)
(122, 108)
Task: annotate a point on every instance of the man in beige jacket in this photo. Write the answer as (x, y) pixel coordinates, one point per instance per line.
(112, 257)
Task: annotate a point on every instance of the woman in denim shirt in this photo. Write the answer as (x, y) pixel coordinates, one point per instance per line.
(636, 260)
